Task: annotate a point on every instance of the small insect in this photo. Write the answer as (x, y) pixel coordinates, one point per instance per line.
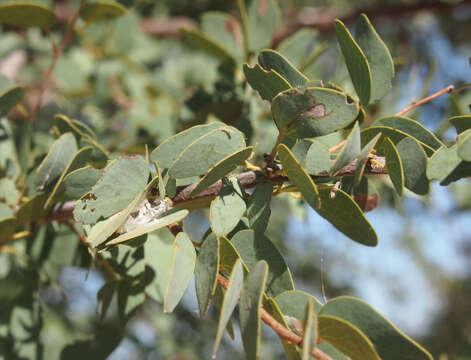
(145, 213)
(337, 187)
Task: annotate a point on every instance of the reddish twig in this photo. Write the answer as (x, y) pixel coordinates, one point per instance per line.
(282, 331)
(415, 104)
(57, 53)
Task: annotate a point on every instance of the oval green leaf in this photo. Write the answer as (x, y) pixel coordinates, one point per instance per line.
(206, 151)
(356, 62)
(345, 214)
(411, 127)
(317, 158)
(389, 341)
(221, 169)
(461, 123)
(181, 271)
(60, 154)
(206, 271)
(267, 83)
(312, 112)
(298, 175)
(394, 164)
(27, 13)
(379, 59)
(229, 302)
(414, 163)
(346, 337)
(123, 180)
(227, 208)
(252, 248)
(273, 60)
(100, 10)
(249, 309)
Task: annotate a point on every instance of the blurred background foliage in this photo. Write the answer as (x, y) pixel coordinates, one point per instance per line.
(136, 82)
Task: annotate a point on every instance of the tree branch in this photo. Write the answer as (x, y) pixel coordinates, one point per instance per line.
(283, 332)
(249, 179)
(415, 104)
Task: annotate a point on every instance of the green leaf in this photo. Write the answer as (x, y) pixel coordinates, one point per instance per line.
(379, 59)
(273, 60)
(229, 303)
(394, 164)
(76, 127)
(221, 28)
(291, 350)
(394, 135)
(79, 160)
(123, 180)
(228, 255)
(205, 43)
(253, 248)
(356, 62)
(389, 341)
(298, 175)
(206, 271)
(170, 217)
(258, 208)
(79, 182)
(366, 195)
(100, 10)
(411, 127)
(168, 151)
(32, 210)
(299, 47)
(446, 166)
(249, 314)
(312, 112)
(346, 337)
(227, 208)
(464, 146)
(158, 253)
(10, 94)
(217, 299)
(461, 123)
(293, 303)
(263, 18)
(206, 151)
(267, 83)
(60, 154)
(183, 266)
(363, 158)
(317, 158)
(221, 169)
(37, 13)
(309, 331)
(345, 214)
(7, 228)
(349, 152)
(414, 163)
(300, 150)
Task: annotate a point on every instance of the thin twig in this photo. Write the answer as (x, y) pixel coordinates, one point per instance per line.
(57, 52)
(283, 332)
(415, 104)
